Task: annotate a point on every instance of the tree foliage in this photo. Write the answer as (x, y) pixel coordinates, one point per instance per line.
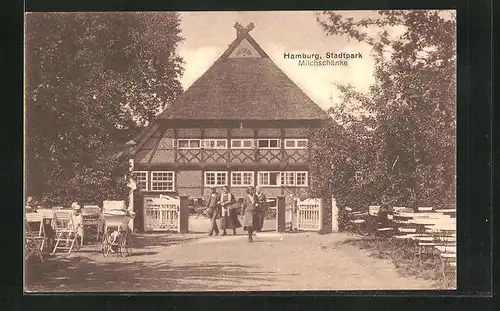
(90, 77)
(399, 138)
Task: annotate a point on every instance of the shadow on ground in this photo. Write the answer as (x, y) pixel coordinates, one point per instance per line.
(143, 241)
(88, 270)
(84, 274)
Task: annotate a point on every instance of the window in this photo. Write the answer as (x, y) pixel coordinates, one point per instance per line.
(141, 179)
(269, 179)
(240, 179)
(242, 143)
(162, 181)
(188, 143)
(295, 143)
(269, 143)
(288, 178)
(214, 143)
(272, 202)
(213, 179)
(301, 179)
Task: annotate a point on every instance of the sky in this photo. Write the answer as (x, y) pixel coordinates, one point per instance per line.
(208, 34)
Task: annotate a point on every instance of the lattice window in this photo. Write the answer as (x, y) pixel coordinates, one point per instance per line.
(301, 178)
(214, 179)
(241, 179)
(162, 181)
(295, 143)
(269, 143)
(188, 143)
(288, 178)
(242, 143)
(141, 179)
(214, 143)
(269, 179)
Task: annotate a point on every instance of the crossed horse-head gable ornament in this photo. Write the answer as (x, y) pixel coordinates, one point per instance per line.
(242, 31)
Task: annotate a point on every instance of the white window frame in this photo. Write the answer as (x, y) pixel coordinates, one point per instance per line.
(189, 143)
(205, 143)
(306, 178)
(241, 174)
(216, 184)
(134, 176)
(296, 142)
(278, 178)
(269, 139)
(162, 172)
(282, 175)
(252, 143)
(273, 205)
(284, 181)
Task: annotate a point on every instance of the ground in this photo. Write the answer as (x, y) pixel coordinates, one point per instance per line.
(196, 262)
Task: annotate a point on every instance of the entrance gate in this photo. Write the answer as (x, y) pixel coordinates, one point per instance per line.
(161, 214)
(310, 214)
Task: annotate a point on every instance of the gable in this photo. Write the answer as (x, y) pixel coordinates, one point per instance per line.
(245, 50)
(243, 84)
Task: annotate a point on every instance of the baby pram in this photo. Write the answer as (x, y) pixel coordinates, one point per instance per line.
(117, 235)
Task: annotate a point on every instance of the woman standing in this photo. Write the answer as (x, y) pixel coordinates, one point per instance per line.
(249, 212)
(229, 214)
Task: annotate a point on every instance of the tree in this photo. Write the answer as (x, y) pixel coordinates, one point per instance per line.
(400, 138)
(89, 78)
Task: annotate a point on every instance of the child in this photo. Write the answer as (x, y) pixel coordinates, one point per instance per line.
(78, 221)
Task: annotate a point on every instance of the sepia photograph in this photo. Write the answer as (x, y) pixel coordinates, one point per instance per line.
(240, 151)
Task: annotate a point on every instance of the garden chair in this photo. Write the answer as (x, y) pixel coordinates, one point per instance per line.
(356, 219)
(448, 256)
(35, 222)
(66, 232)
(92, 219)
(33, 242)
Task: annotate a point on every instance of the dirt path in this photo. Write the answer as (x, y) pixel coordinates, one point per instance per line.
(296, 261)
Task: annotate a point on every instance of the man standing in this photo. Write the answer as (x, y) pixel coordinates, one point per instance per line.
(214, 211)
(261, 208)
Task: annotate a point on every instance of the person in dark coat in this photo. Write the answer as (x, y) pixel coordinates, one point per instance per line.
(214, 211)
(261, 208)
(229, 214)
(248, 210)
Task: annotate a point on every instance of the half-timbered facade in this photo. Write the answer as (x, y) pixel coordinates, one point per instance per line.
(242, 123)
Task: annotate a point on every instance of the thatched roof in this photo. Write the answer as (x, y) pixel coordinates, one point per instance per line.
(243, 89)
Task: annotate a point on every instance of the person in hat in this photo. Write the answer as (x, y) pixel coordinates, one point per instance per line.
(30, 204)
(78, 221)
(248, 211)
(214, 211)
(261, 208)
(229, 213)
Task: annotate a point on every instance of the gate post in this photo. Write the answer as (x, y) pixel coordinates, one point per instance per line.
(335, 216)
(321, 214)
(280, 214)
(183, 214)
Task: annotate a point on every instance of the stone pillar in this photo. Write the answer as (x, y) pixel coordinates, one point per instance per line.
(184, 214)
(335, 216)
(322, 215)
(280, 214)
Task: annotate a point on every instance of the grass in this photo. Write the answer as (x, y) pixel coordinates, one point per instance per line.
(402, 255)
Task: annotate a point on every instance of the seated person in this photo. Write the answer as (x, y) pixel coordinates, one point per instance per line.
(78, 221)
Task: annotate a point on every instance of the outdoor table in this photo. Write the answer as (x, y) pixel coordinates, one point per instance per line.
(447, 226)
(447, 211)
(421, 223)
